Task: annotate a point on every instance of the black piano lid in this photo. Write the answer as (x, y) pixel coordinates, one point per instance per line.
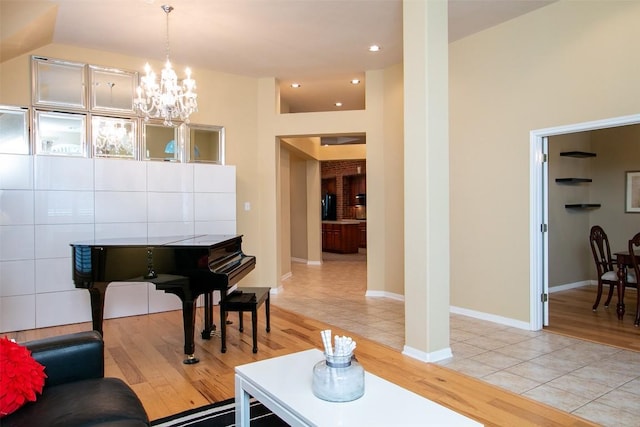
(200, 240)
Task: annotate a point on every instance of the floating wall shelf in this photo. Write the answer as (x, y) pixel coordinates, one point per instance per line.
(583, 206)
(582, 155)
(577, 154)
(573, 180)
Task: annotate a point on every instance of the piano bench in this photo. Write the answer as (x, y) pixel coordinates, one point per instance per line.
(241, 300)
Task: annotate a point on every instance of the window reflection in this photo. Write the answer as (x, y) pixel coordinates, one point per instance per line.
(14, 130)
(161, 142)
(112, 90)
(206, 143)
(58, 83)
(60, 133)
(113, 137)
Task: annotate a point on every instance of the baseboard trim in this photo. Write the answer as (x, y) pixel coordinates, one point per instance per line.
(491, 318)
(305, 261)
(285, 276)
(384, 294)
(574, 285)
(276, 290)
(423, 356)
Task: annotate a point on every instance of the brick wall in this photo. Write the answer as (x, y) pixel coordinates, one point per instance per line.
(343, 178)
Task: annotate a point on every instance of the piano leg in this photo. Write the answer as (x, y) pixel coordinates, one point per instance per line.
(96, 293)
(209, 326)
(189, 320)
(223, 329)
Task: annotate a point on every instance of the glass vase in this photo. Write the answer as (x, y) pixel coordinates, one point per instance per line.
(338, 378)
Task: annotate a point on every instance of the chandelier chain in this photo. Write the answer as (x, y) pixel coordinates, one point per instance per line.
(167, 10)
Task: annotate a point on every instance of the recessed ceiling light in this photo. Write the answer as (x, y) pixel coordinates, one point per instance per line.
(355, 81)
(338, 104)
(374, 48)
(295, 85)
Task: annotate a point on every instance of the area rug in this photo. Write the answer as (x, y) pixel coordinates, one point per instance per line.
(221, 414)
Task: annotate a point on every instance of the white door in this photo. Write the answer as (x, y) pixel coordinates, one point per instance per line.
(544, 229)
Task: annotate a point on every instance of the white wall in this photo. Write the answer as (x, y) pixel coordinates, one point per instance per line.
(46, 202)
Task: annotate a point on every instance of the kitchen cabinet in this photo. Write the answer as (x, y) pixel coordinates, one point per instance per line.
(340, 236)
(362, 231)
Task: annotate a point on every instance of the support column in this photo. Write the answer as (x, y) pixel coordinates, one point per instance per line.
(314, 217)
(426, 160)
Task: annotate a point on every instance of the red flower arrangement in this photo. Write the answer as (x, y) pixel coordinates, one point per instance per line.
(21, 377)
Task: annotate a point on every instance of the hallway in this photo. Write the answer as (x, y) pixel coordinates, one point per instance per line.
(597, 382)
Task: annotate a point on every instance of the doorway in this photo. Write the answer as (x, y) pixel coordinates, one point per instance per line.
(539, 213)
(305, 181)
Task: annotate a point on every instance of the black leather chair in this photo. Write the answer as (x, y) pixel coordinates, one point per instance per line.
(76, 393)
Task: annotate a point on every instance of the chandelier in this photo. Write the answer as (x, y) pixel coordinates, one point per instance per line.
(169, 99)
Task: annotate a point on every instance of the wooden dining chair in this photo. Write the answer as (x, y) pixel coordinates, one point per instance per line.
(604, 263)
(633, 276)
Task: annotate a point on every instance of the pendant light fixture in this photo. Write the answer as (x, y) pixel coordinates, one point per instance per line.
(168, 99)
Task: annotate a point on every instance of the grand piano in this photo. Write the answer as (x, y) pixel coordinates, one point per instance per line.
(187, 266)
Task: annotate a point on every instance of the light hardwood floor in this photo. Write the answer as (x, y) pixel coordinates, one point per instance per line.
(146, 351)
(570, 314)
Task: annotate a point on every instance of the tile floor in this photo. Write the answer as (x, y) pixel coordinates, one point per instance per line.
(597, 382)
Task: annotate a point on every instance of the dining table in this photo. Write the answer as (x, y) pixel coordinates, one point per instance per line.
(624, 260)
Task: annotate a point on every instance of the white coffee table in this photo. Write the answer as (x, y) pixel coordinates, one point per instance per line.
(283, 384)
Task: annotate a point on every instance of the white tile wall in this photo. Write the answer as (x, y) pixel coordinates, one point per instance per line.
(120, 175)
(64, 207)
(63, 173)
(61, 308)
(52, 241)
(215, 206)
(16, 172)
(54, 275)
(210, 180)
(17, 278)
(215, 227)
(16, 242)
(16, 207)
(169, 176)
(121, 206)
(122, 229)
(126, 299)
(161, 301)
(168, 207)
(17, 312)
(47, 202)
(158, 229)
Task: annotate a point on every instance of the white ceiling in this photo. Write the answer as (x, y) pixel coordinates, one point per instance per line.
(320, 43)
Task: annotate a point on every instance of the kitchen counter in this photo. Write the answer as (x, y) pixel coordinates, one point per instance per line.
(341, 236)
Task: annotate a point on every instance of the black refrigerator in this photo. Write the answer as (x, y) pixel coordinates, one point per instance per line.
(329, 207)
